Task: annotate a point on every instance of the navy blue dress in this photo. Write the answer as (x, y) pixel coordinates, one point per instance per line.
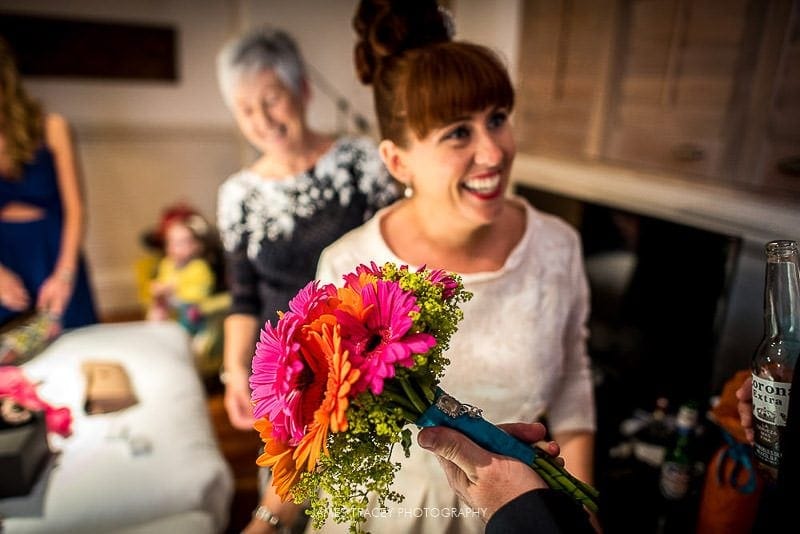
(30, 249)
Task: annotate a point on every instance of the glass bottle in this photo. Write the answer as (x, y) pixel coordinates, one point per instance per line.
(659, 429)
(678, 510)
(775, 358)
(676, 471)
(651, 442)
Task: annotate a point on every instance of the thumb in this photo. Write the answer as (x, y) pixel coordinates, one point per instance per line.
(455, 447)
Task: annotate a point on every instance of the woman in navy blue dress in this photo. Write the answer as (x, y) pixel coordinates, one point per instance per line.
(41, 210)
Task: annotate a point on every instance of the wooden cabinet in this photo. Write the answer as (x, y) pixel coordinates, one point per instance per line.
(562, 74)
(703, 89)
(776, 138)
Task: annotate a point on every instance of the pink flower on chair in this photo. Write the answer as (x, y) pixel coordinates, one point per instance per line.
(58, 420)
(14, 386)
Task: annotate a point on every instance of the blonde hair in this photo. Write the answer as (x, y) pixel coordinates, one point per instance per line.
(21, 117)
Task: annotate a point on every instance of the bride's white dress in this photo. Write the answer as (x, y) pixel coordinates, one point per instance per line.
(520, 353)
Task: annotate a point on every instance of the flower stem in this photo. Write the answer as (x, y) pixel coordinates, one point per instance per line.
(403, 403)
(409, 416)
(588, 489)
(558, 478)
(412, 395)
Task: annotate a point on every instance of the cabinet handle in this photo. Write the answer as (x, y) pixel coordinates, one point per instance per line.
(688, 152)
(789, 166)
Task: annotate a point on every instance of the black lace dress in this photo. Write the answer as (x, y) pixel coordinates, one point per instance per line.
(273, 231)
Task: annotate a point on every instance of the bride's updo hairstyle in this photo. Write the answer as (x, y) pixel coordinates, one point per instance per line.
(421, 78)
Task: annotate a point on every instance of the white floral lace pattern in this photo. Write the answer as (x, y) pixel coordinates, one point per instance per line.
(256, 210)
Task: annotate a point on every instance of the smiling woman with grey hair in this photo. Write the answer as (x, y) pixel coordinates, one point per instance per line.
(262, 49)
(303, 191)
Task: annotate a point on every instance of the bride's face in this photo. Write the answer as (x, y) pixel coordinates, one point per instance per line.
(463, 167)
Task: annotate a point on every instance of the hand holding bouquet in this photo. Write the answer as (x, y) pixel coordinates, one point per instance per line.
(341, 375)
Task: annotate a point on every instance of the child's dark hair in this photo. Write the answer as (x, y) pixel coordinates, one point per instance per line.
(198, 226)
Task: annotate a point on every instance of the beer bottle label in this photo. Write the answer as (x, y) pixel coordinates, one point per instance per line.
(675, 479)
(770, 412)
(771, 401)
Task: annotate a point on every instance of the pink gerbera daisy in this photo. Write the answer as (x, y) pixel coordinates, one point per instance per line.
(381, 339)
(445, 280)
(311, 301)
(284, 376)
(275, 364)
(362, 276)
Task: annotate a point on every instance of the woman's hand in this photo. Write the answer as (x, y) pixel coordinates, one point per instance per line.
(237, 399)
(55, 293)
(239, 332)
(745, 407)
(13, 294)
(484, 480)
(161, 289)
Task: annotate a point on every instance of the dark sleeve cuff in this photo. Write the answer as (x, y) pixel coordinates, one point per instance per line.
(543, 511)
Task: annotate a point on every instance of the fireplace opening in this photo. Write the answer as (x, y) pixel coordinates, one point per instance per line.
(659, 297)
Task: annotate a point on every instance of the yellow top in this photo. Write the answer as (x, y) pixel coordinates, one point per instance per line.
(193, 282)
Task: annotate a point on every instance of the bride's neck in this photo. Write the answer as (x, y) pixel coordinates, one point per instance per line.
(419, 239)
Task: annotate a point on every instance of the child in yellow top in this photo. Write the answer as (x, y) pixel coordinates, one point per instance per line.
(184, 277)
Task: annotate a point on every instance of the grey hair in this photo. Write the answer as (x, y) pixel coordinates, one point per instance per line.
(262, 48)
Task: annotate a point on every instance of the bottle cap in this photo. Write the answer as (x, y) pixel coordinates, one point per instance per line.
(687, 416)
(780, 249)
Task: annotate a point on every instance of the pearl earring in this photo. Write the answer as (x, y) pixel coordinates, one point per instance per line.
(408, 192)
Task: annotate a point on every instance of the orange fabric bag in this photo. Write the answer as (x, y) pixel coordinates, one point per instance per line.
(733, 486)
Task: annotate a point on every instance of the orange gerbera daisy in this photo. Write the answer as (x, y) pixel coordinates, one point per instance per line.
(352, 303)
(332, 413)
(288, 462)
(363, 276)
(277, 455)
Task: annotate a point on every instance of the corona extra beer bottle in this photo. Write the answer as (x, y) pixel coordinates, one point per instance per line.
(776, 356)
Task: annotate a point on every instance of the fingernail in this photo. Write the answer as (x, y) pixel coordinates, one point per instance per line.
(425, 438)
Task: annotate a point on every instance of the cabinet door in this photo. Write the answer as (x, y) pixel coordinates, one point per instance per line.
(775, 130)
(696, 89)
(680, 81)
(564, 49)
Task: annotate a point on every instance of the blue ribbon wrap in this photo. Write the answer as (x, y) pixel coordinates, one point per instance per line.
(739, 453)
(478, 429)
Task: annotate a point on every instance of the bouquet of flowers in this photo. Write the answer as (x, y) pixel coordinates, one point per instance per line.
(342, 374)
(26, 336)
